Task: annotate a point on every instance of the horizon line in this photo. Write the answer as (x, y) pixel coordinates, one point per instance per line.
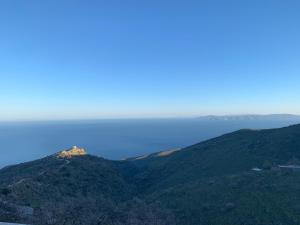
(141, 118)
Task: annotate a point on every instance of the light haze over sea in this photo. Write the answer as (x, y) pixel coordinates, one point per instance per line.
(114, 139)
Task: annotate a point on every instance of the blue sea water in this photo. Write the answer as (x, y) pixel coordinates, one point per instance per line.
(112, 139)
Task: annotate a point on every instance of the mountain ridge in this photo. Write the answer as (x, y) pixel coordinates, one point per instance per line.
(250, 117)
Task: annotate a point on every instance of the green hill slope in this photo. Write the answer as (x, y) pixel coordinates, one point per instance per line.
(213, 183)
(229, 154)
(73, 190)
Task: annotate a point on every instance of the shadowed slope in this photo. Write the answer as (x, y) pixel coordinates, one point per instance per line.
(228, 154)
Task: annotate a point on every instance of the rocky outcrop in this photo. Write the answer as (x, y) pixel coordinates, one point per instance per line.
(74, 151)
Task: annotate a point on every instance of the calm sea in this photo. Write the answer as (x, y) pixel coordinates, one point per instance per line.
(112, 139)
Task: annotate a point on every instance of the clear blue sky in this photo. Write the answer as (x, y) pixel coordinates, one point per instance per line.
(158, 58)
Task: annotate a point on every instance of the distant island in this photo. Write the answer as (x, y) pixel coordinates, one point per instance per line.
(250, 117)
